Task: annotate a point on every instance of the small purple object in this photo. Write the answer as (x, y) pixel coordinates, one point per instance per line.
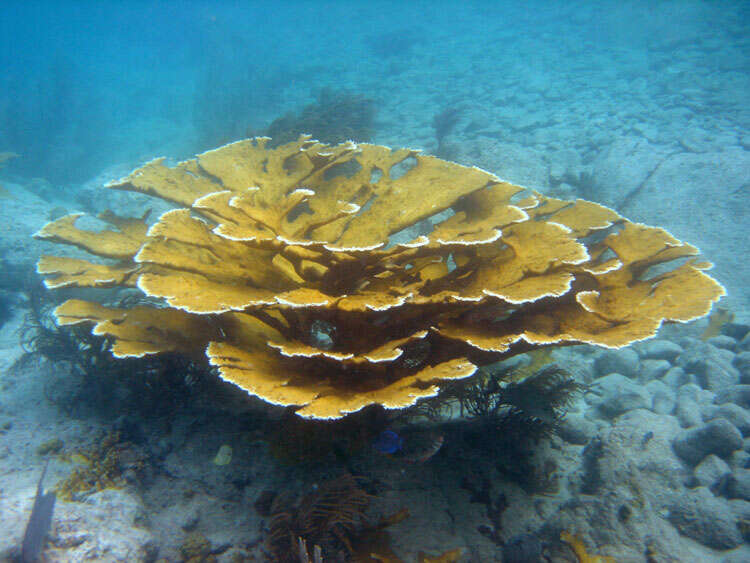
(388, 442)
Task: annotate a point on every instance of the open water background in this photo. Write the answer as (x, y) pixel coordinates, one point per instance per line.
(85, 85)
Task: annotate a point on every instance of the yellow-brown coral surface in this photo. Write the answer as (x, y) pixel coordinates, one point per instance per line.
(281, 265)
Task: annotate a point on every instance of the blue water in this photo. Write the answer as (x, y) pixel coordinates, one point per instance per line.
(88, 84)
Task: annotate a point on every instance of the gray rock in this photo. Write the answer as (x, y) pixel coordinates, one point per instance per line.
(737, 394)
(660, 349)
(718, 437)
(662, 397)
(638, 474)
(740, 459)
(742, 363)
(30, 213)
(688, 413)
(711, 366)
(713, 376)
(637, 444)
(745, 343)
(525, 165)
(617, 394)
(565, 191)
(624, 361)
(690, 343)
(576, 429)
(219, 541)
(524, 547)
(738, 331)
(676, 377)
(733, 413)
(738, 484)
(695, 393)
(723, 341)
(740, 509)
(190, 519)
(161, 448)
(725, 355)
(106, 527)
(615, 183)
(711, 470)
(653, 369)
(740, 555)
(701, 516)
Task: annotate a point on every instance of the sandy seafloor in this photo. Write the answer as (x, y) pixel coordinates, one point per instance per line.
(655, 126)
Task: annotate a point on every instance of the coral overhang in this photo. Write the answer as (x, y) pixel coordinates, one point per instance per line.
(280, 265)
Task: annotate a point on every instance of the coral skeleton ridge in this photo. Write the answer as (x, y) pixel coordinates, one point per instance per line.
(280, 265)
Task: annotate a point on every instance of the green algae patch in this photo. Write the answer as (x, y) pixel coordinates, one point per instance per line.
(224, 455)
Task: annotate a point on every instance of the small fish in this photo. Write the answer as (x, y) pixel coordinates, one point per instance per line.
(423, 449)
(414, 447)
(39, 523)
(388, 442)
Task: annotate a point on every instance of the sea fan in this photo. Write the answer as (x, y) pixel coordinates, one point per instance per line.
(330, 517)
